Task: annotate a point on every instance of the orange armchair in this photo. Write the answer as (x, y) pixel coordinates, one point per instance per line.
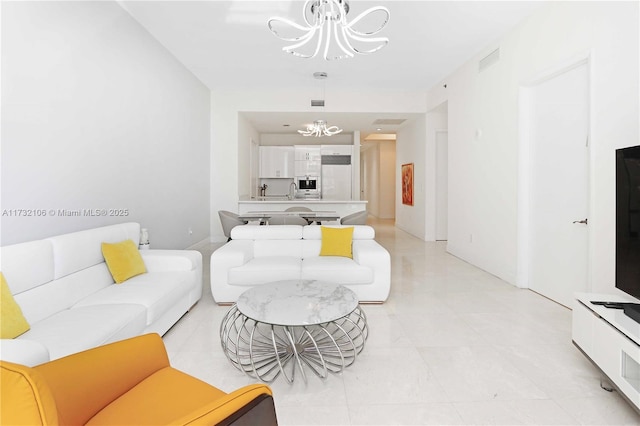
(124, 383)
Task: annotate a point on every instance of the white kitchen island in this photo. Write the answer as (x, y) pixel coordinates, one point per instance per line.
(343, 208)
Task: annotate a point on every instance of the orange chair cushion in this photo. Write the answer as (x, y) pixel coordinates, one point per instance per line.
(86, 382)
(25, 397)
(161, 398)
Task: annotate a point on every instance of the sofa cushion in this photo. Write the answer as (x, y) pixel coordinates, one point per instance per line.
(156, 291)
(360, 232)
(336, 269)
(159, 399)
(336, 241)
(79, 250)
(12, 322)
(270, 248)
(274, 232)
(63, 293)
(77, 329)
(266, 269)
(27, 265)
(123, 260)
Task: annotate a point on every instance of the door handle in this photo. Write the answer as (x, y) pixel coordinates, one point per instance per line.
(585, 221)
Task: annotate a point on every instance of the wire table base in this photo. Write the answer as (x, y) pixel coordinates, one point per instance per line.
(265, 351)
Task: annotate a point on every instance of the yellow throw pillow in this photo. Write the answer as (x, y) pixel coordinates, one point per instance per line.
(12, 321)
(123, 260)
(336, 241)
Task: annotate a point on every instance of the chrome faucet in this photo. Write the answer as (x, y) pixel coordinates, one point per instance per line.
(295, 188)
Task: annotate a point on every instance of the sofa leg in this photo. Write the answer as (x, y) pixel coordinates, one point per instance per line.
(260, 412)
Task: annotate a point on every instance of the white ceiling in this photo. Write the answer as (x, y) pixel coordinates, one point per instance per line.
(227, 44)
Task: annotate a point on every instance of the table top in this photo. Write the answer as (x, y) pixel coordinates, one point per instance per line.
(320, 215)
(297, 302)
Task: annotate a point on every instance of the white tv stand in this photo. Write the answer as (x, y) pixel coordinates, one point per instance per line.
(611, 340)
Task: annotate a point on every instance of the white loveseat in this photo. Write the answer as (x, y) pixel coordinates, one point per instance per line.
(260, 254)
(68, 296)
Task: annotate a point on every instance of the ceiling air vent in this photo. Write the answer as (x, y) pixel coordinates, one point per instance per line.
(317, 102)
(489, 60)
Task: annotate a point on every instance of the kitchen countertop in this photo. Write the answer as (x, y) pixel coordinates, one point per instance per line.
(284, 200)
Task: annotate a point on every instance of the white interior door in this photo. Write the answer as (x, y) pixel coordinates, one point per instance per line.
(559, 185)
(442, 186)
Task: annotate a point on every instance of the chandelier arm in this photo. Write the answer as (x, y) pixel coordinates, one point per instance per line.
(364, 14)
(382, 40)
(332, 14)
(319, 129)
(340, 33)
(319, 44)
(307, 38)
(294, 25)
(308, 6)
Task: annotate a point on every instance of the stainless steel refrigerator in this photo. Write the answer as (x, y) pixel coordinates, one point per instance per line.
(336, 177)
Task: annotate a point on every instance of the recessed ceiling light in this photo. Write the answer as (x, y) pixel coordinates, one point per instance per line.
(286, 125)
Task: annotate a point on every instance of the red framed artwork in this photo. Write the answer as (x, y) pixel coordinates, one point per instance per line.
(407, 184)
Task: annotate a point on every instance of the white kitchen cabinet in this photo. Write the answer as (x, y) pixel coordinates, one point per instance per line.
(336, 149)
(277, 162)
(307, 152)
(307, 160)
(308, 167)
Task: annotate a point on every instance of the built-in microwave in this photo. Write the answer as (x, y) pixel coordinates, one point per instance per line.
(308, 187)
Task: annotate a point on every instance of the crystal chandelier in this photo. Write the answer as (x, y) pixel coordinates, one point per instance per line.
(319, 129)
(326, 22)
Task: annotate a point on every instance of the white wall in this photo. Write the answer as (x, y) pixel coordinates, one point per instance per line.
(483, 170)
(411, 148)
(226, 106)
(246, 133)
(97, 115)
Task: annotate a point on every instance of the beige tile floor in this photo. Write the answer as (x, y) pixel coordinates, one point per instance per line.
(453, 345)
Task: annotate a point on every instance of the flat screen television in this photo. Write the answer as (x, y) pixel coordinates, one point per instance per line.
(628, 222)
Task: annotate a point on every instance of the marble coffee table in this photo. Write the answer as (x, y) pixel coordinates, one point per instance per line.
(284, 326)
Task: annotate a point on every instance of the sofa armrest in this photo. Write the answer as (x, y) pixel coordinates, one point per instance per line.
(23, 351)
(84, 383)
(370, 253)
(171, 260)
(233, 254)
(250, 405)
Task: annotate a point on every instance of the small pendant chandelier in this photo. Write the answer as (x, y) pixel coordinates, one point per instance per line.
(326, 21)
(319, 129)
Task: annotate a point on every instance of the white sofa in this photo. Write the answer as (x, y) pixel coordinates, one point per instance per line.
(260, 254)
(69, 298)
